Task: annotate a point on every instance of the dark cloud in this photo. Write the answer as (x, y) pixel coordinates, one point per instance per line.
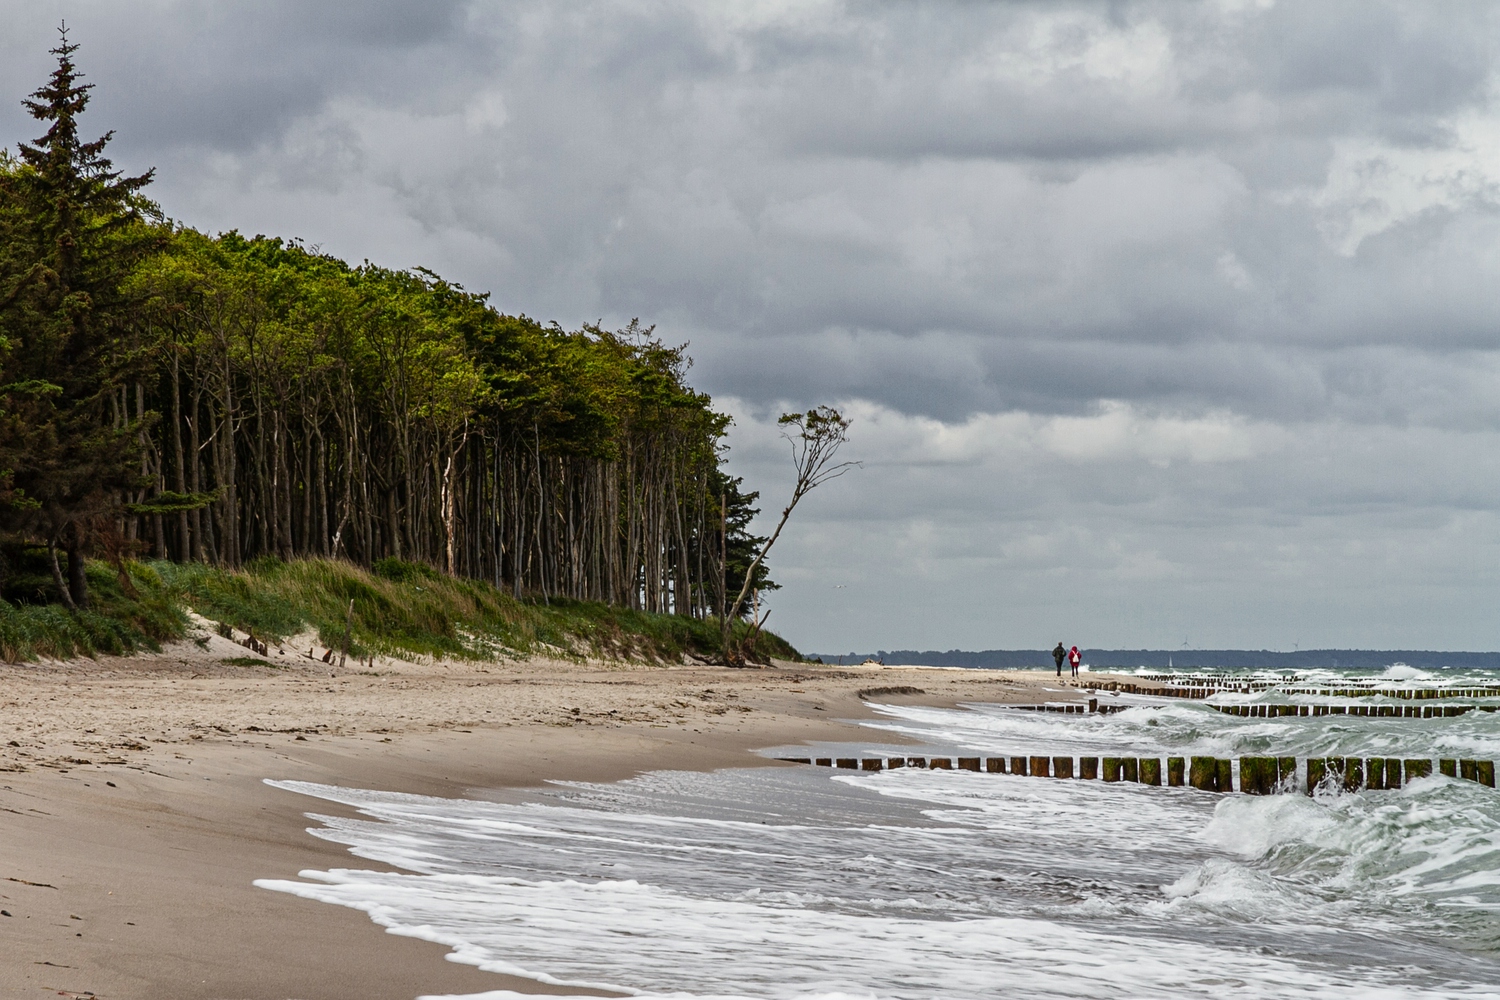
(1153, 313)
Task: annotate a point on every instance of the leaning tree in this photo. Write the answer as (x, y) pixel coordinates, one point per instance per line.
(815, 437)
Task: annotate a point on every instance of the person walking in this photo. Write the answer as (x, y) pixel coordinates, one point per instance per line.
(1058, 655)
(1073, 657)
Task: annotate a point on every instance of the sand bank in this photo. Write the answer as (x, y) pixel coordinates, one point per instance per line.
(135, 817)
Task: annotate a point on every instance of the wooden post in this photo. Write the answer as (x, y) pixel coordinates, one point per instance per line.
(1112, 769)
(895, 762)
(916, 762)
(1132, 770)
(995, 765)
(968, 763)
(1468, 770)
(1286, 773)
(1418, 769)
(1225, 775)
(1255, 776)
(1317, 767)
(1018, 766)
(871, 764)
(1448, 767)
(1150, 771)
(848, 763)
(1375, 773)
(1088, 768)
(1486, 773)
(1393, 772)
(1176, 772)
(1062, 767)
(1203, 773)
(1041, 767)
(1354, 774)
(825, 761)
(940, 764)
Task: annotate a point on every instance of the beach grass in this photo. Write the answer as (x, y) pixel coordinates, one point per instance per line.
(400, 609)
(117, 621)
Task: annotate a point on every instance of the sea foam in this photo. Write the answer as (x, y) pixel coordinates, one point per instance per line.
(807, 882)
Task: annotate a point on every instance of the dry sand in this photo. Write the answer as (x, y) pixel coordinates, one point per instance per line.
(134, 817)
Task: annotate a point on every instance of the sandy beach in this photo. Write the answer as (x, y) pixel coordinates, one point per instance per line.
(135, 817)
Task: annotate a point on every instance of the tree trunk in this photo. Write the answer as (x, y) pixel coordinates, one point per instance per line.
(78, 588)
(57, 577)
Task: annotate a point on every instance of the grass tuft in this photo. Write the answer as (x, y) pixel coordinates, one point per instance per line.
(400, 609)
(115, 622)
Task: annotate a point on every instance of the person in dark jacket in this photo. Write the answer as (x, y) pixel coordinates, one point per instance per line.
(1057, 655)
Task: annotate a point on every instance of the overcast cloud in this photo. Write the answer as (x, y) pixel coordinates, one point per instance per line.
(1160, 323)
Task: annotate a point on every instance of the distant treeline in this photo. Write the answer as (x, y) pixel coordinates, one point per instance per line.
(222, 399)
(1130, 659)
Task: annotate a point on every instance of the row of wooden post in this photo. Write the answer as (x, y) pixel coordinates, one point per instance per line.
(1076, 708)
(1258, 775)
(1203, 687)
(1128, 687)
(1364, 711)
(1406, 694)
(1353, 773)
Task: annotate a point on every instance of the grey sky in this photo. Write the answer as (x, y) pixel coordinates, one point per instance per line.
(1160, 322)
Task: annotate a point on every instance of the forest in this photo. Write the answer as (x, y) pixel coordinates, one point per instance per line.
(167, 394)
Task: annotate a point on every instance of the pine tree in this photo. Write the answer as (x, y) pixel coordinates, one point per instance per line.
(72, 229)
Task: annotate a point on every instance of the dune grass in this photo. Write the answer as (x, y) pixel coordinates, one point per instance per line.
(116, 622)
(400, 609)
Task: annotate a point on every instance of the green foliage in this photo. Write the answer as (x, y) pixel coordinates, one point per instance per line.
(248, 661)
(407, 610)
(71, 231)
(403, 610)
(117, 623)
(231, 401)
(740, 544)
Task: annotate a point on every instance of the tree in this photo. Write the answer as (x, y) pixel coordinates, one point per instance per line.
(738, 546)
(815, 437)
(72, 229)
(229, 398)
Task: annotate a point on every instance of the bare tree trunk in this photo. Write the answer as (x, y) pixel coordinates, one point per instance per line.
(78, 588)
(63, 590)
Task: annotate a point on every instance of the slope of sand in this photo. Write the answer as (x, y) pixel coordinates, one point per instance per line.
(134, 815)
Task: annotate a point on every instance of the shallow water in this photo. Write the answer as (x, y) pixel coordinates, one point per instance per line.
(793, 882)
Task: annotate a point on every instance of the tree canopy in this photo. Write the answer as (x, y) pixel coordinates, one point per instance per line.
(223, 399)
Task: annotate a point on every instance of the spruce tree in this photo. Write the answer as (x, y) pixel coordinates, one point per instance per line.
(72, 230)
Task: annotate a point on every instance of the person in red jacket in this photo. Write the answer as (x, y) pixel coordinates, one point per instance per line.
(1073, 657)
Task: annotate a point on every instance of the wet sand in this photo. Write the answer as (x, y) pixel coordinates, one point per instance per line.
(135, 817)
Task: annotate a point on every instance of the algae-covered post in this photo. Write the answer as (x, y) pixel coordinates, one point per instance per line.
(1176, 772)
(1203, 773)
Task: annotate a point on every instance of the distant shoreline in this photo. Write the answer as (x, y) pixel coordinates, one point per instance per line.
(1132, 659)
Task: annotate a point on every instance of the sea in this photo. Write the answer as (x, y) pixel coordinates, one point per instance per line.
(810, 882)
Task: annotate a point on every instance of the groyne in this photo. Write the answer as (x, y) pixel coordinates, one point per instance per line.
(1254, 775)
